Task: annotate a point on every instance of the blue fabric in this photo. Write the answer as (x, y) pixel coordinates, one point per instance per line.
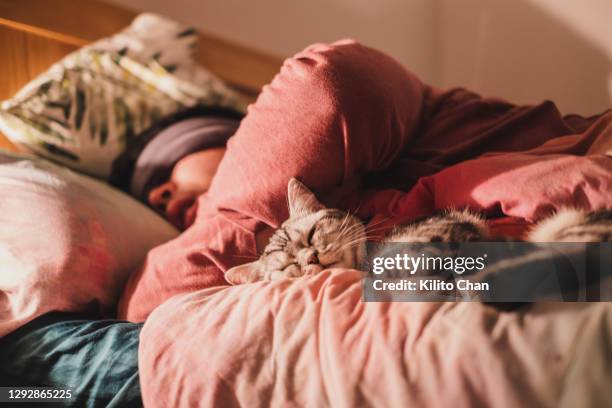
(96, 359)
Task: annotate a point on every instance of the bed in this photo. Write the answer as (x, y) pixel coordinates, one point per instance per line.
(313, 342)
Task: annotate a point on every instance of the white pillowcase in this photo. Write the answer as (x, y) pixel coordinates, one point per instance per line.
(67, 242)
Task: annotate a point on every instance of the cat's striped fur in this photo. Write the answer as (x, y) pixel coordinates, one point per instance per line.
(314, 237)
(572, 225)
(449, 226)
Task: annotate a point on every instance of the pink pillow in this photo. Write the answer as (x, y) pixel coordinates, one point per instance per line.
(67, 242)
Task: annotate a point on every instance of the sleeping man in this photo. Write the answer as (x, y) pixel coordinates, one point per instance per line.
(364, 134)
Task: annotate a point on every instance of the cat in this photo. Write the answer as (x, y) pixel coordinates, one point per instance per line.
(315, 237)
(573, 225)
(449, 226)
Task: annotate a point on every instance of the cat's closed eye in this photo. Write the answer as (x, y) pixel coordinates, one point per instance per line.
(311, 234)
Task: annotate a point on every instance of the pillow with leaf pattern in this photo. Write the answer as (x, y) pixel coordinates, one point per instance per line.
(84, 110)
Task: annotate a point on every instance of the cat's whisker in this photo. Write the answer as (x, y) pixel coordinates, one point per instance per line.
(350, 244)
(380, 221)
(356, 240)
(344, 224)
(358, 207)
(377, 223)
(355, 234)
(350, 235)
(358, 231)
(380, 228)
(351, 229)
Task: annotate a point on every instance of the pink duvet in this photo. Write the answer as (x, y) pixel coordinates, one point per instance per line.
(313, 342)
(345, 112)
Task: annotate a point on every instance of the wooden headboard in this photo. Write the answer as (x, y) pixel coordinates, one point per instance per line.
(36, 33)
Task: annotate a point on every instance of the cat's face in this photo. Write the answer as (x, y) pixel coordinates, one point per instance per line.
(312, 239)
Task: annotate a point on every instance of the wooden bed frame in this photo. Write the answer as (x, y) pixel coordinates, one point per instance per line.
(36, 33)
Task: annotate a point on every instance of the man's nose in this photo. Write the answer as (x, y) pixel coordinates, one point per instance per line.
(161, 195)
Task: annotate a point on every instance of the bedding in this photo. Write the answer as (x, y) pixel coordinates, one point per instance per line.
(314, 342)
(97, 360)
(422, 149)
(86, 109)
(67, 242)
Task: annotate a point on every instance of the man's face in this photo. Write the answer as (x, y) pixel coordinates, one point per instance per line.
(176, 199)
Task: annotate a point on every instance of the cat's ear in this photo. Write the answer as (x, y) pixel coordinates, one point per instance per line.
(246, 273)
(301, 200)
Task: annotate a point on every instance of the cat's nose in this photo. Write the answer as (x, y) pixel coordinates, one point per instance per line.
(312, 259)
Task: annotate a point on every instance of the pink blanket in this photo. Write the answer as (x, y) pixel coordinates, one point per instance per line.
(314, 343)
(344, 112)
(334, 114)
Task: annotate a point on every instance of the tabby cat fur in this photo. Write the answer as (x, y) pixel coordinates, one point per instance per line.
(315, 237)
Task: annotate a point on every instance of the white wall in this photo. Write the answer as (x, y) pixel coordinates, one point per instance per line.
(528, 50)
(402, 28)
(522, 50)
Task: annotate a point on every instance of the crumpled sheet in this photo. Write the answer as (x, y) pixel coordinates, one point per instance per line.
(313, 342)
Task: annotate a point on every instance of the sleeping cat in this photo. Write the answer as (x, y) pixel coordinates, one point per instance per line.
(315, 237)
